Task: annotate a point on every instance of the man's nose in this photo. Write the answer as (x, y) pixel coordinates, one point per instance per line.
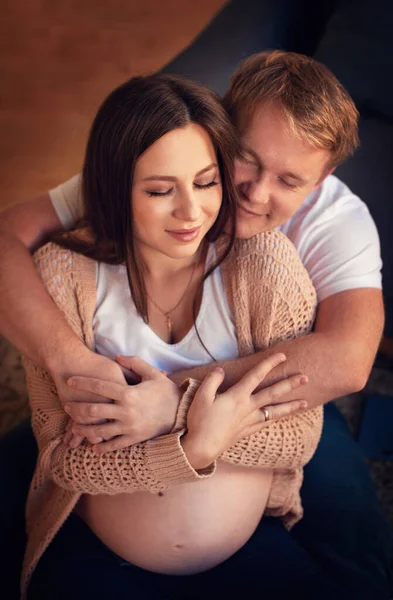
(258, 191)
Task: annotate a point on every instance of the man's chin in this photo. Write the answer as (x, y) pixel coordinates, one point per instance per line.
(247, 228)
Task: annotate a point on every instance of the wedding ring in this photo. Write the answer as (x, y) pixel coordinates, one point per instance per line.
(266, 413)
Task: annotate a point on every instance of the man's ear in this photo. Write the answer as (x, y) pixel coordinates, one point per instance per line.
(326, 174)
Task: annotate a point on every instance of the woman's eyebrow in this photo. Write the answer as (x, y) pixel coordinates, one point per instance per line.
(159, 178)
(208, 168)
(169, 178)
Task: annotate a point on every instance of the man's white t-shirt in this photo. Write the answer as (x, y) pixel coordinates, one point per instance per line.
(333, 232)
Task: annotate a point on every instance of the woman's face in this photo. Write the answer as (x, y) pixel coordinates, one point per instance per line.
(176, 192)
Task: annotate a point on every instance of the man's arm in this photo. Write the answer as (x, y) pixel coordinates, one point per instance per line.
(29, 318)
(337, 357)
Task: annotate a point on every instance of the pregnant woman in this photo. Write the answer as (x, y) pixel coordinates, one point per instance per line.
(150, 273)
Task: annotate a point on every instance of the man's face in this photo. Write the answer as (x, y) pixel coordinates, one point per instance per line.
(276, 172)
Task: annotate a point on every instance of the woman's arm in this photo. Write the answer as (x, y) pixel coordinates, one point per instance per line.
(285, 443)
(149, 466)
(69, 280)
(291, 441)
(280, 304)
(57, 271)
(213, 423)
(273, 301)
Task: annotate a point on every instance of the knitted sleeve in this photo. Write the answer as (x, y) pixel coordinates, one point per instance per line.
(287, 443)
(151, 465)
(273, 300)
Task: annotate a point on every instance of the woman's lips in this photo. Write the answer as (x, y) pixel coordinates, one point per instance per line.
(185, 235)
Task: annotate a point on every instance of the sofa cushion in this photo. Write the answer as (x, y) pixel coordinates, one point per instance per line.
(369, 174)
(358, 47)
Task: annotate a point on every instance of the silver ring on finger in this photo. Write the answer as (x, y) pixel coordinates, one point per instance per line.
(267, 414)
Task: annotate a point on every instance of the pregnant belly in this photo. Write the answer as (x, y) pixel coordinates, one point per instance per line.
(189, 528)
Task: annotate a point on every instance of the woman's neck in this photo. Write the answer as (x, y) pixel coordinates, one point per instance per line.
(158, 266)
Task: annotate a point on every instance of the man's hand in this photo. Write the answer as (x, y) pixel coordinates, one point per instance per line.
(136, 413)
(79, 360)
(86, 364)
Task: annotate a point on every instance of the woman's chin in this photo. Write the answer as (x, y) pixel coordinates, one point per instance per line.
(179, 251)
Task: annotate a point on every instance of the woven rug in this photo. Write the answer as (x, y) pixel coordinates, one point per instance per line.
(14, 408)
(13, 395)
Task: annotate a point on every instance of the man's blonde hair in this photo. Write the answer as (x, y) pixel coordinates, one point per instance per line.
(318, 108)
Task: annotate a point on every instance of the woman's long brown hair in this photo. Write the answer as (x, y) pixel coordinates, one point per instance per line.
(131, 119)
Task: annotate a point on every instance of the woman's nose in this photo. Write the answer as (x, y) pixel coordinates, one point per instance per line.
(188, 208)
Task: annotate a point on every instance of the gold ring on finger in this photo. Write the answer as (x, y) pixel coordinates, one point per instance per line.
(267, 414)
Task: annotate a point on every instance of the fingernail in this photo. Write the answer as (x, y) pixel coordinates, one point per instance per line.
(282, 357)
(219, 370)
(67, 408)
(304, 379)
(303, 404)
(71, 381)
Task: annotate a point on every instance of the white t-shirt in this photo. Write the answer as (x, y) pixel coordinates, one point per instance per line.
(333, 232)
(128, 334)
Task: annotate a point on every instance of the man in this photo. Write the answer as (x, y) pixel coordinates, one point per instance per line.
(296, 124)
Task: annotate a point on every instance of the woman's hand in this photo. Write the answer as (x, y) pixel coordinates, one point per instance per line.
(216, 422)
(137, 413)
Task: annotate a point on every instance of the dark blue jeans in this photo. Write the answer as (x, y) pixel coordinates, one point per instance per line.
(342, 541)
(77, 563)
(343, 527)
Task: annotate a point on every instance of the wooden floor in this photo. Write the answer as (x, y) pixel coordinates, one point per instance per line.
(58, 60)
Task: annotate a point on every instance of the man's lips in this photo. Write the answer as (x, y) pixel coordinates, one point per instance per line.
(250, 213)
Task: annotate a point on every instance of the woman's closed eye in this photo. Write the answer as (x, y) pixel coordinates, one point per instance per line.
(198, 186)
(205, 186)
(159, 193)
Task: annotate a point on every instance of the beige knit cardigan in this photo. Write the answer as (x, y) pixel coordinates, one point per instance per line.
(272, 299)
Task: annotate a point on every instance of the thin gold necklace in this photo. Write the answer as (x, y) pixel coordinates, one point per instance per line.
(168, 320)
